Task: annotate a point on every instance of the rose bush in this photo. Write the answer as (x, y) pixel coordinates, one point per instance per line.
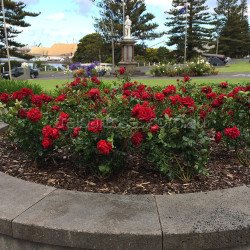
(172, 127)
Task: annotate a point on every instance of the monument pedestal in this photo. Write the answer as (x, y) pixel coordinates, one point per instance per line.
(127, 56)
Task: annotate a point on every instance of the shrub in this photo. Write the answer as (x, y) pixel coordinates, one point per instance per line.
(198, 67)
(99, 125)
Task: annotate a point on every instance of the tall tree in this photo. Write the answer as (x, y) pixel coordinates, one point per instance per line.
(90, 48)
(234, 33)
(199, 27)
(111, 18)
(15, 14)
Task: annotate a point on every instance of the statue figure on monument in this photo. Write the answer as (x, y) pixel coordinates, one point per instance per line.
(127, 28)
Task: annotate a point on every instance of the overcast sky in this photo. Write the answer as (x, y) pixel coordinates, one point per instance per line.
(67, 21)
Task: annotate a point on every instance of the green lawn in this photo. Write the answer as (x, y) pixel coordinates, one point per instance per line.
(237, 68)
(50, 84)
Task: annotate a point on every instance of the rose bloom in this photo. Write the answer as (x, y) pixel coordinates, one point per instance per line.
(218, 137)
(37, 100)
(146, 114)
(232, 133)
(186, 78)
(22, 113)
(154, 128)
(122, 70)
(171, 89)
(104, 147)
(127, 85)
(51, 133)
(4, 97)
(187, 101)
(159, 96)
(60, 98)
(137, 138)
(94, 93)
(95, 80)
(95, 126)
(211, 95)
(55, 108)
(76, 132)
(168, 112)
(174, 99)
(34, 115)
(223, 85)
(206, 90)
(46, 143)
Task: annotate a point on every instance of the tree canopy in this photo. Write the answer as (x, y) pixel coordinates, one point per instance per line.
(15, 14)
(199, 27)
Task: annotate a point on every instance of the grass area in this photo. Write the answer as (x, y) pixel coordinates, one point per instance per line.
(237, 68)
(50, 84)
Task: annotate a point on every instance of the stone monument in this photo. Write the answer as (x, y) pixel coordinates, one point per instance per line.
(128, 44)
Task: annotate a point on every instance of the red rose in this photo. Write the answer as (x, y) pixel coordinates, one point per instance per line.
(22, 113)
(211, 95)
(34, 115)
(223, 85)
(95, 80)
(95, 126)
(171, 89)
(218, 137)
(60, 98)
(186, 78)
(159, 96)
(76, 132)
(37, 100)
(94, 93)
(187, 101)
(174, 99)
(4, 97)
(168, 112)
(232, 133)
(104, 147)
(55, 108)
(154, 128)
(51, 133)
(137, 138)
(206, 90)
(46, 143)
(122, 70)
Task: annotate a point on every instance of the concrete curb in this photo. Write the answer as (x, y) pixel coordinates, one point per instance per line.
(34, 216)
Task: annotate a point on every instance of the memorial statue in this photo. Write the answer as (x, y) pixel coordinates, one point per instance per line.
(127, 28)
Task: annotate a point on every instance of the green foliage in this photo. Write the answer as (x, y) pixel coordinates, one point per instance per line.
(198, 27)
(90, 48)
(15, 15)
(10, 86)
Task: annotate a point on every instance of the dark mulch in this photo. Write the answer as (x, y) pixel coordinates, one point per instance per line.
(137, 178)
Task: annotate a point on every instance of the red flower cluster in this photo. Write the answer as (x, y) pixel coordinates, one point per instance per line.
(95, 126)
(186, 78)
(22, 93)
(143, 112)
(206, 90)
(22, 113)
(159, 96)
(168, 112)
(34, 115)
(104, 147)
(60, 98)
(154, 128)
(232, 133)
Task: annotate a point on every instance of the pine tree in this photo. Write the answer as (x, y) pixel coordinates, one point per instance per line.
(111, 16)
(15, 17)
(199, 28)
(234, 35)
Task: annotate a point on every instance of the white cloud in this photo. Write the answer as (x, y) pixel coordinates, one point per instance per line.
(56, 16)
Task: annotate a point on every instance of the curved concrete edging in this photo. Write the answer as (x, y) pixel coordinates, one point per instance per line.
(34, 216)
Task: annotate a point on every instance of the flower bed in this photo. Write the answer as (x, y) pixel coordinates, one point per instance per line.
(171, 127)
(197, 67)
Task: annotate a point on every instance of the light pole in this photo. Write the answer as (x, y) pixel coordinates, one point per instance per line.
(113, 46)
(185, 44)
(6, 39)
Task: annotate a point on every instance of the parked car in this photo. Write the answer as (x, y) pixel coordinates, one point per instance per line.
(19, 71)
(216, 60)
